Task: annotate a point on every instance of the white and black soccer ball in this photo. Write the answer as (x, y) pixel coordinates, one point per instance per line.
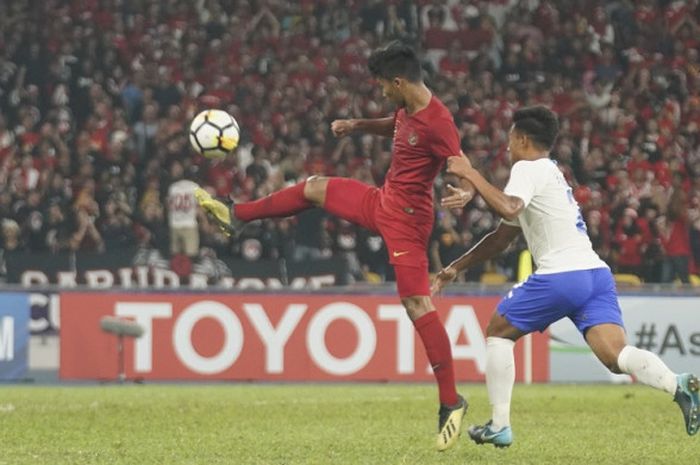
(214, 133)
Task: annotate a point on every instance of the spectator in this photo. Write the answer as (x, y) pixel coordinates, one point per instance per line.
(152, 231)
(182, 214)
(345, 245)
(11, 239)
(31, 219)
(676, 238)
(145, 130)
(446, 245)
(57, 229)
(258, 170)
(309, 235)
(116, 227)
(86, 236)
(95, 108)
(695, 244)
(630, 244)
(598, 234)
(372, 254)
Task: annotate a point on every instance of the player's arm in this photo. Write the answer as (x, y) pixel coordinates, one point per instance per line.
(491, 245)
(507, 206)
(377, 126)
(444, 142)
(459, 196)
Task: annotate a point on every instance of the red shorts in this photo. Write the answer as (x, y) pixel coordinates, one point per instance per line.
(405, 236)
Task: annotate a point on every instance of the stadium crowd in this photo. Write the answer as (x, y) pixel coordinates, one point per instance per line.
(96, 96)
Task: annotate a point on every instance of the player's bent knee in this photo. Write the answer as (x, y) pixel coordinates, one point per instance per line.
(414, 314)
(500, 327)
(607, 341)
(315, 189)
(415, 307)
(492, 329)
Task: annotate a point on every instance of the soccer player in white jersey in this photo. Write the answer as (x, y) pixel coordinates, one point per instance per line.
(182, 217)
(571, 280)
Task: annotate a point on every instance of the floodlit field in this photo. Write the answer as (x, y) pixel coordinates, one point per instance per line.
(330, 424)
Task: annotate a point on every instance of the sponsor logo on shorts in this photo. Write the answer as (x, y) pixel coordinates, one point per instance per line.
(398, 254)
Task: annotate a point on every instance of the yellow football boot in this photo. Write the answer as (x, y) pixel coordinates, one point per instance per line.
(450, 424)
(217, 210)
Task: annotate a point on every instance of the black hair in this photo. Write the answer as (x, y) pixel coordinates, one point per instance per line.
(395, 60)
(539, 123)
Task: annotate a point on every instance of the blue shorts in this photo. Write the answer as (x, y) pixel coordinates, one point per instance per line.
(587, 297)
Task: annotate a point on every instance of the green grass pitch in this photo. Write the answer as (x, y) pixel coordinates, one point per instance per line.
(331, 424)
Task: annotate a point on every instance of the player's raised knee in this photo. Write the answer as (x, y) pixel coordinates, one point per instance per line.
(315, 189)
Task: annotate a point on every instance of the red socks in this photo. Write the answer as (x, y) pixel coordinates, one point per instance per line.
(286, 202)
(437, 347)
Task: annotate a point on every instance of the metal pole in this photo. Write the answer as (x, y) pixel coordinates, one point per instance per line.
(120, 359)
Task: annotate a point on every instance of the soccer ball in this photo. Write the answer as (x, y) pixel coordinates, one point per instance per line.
(214, 133)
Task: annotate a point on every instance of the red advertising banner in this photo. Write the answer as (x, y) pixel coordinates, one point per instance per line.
(277, 337)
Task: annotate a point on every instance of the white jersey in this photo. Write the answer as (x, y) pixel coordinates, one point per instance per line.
(182, 206)
(551, 220)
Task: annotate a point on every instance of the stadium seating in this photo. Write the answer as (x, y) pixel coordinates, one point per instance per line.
(493, 278)
(91, 131)
(693, 278)
(626, 279)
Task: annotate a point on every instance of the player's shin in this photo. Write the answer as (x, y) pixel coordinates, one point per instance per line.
(500, 376)
(650, 370)
(453, 407)
(439, 352)
(286, 202)
(647, 368)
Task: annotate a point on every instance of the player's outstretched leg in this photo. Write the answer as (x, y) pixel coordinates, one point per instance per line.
(688, 400)
(609, 344)
(286, 202)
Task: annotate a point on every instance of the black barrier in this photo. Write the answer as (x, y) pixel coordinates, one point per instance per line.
(147, 269)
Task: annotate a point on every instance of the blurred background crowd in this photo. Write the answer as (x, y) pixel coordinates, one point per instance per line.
(96, 97)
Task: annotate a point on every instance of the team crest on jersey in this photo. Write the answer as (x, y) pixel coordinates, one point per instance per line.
(413, 138)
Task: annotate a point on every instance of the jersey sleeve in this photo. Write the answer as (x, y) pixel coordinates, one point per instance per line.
(522, 182)
(444, 139)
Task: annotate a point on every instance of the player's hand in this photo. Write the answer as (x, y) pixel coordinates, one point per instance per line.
(342, 127)
(442, 279)
(458, 198)
(459, 165)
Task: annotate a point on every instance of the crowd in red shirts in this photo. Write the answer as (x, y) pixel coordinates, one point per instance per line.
(96, 97)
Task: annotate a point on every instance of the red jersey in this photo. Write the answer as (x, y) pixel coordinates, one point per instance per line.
(422, 143)
(677, 244)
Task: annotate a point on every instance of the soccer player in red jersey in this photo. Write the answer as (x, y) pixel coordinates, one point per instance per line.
(424, 136)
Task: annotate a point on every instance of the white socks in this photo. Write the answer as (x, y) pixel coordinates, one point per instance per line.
(500, 376)
(646, 367)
